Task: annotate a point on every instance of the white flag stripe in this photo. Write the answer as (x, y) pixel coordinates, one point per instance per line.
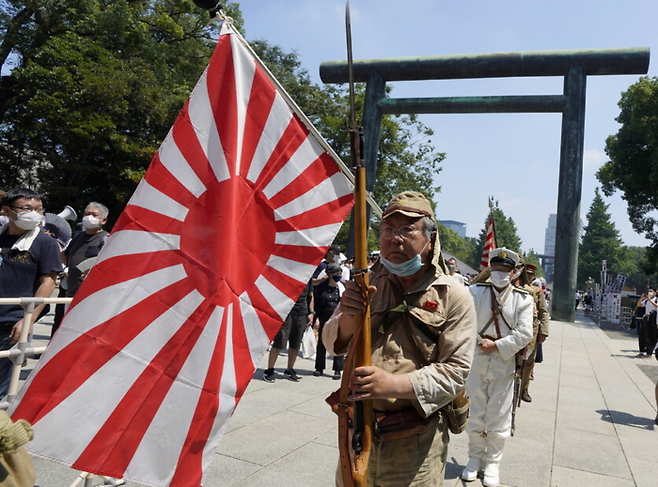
(99, 307)
(146, 196)
(172, 159)
(327, 191)
(291, 268)
(277, 122)
(117, 376)
(312, 237)
(203, 121)
(130, 242)
(256, 336)
(244, 68)
(162, 444)
(304, 156)
(279, 301)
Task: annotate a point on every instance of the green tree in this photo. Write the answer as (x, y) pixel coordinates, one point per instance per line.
(633, 164)
(94, 88)
(639, 273)
(505, 235)
(601, 241)
(460, 247)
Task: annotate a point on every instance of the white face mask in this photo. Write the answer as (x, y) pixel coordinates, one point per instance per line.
(28, 220)
(500, 278)
(650, 295)
(91, 222)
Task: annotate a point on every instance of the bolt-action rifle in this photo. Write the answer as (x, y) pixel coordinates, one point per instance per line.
(354, 455)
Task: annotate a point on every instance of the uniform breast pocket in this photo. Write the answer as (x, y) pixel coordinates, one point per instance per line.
(428, 328)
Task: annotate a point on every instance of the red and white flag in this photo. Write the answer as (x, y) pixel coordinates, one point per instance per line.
(234, 213)
(488, 243)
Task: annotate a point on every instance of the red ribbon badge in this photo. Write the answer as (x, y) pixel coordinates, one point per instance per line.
(431, 305)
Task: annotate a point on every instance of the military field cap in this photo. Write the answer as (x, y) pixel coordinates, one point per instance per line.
(530, 268)
(409, 203)
(503, 256)
(333, 268)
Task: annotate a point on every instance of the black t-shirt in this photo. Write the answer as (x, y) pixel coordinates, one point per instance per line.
(21, 270)
(81, 248)
(302, 304)
(326, 299)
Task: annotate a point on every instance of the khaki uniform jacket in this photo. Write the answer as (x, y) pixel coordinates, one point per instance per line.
(438, 314)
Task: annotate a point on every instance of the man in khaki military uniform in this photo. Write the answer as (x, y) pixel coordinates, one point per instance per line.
(423, 330)
(540, 326)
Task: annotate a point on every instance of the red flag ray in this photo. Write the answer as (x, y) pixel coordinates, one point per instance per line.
(211, 252)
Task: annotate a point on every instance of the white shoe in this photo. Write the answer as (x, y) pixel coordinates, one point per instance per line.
(491, 475)
(470, 473)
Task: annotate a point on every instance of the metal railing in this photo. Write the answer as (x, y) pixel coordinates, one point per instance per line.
(23, 348)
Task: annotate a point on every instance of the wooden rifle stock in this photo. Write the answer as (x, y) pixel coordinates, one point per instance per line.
(354, 455)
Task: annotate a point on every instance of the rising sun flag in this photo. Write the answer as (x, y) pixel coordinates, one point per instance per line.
(234, 213)
(489, 240)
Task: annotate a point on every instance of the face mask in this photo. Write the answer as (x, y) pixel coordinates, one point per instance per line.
(3, 220)
(500, 278)
(337, 258)
(407, 268)
(650, 295)
(91, 222)
(337, 277)
(28, 220)
(452, 267)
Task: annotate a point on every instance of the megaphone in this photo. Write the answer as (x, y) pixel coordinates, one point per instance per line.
(58, 227)
(68, 213)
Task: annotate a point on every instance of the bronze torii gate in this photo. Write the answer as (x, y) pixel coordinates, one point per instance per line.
(574, 65)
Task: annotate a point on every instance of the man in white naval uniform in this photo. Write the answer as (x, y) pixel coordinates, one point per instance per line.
(503, 330)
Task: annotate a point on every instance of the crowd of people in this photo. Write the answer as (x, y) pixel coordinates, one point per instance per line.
(35, 255)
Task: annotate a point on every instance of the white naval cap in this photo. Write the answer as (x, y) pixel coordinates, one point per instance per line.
(503, 256)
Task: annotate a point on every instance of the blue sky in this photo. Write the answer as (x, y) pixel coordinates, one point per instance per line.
(513, 157)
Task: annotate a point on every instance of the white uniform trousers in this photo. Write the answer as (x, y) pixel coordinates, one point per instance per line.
(490, 418)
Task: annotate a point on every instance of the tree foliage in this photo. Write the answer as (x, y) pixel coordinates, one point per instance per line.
(601, 241)
(633, 164)
(94, 88)
(461, 248)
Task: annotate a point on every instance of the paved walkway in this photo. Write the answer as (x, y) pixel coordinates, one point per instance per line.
(590, 423)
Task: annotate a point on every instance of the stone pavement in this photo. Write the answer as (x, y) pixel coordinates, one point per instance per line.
(590, 423)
